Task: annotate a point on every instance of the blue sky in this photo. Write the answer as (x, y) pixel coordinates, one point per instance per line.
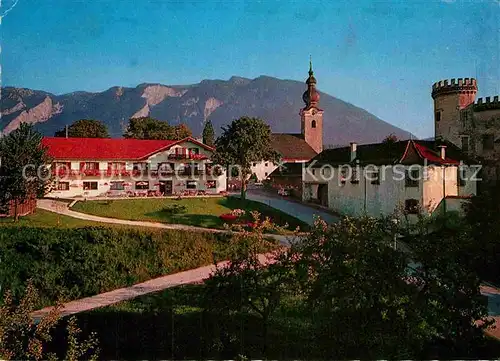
(379, 55)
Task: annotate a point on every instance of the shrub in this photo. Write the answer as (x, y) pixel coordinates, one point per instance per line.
(174, 209)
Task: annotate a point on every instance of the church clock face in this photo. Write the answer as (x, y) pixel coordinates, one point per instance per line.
(314, 111)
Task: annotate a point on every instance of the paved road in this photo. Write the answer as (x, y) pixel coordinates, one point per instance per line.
(62, 208)
(298, 210)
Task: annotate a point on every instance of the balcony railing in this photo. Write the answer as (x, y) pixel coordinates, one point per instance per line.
(187, 156)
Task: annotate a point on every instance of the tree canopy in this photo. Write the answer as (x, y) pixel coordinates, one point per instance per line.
(85, 128)
(23, 172)
(360, 297)
(391, 138)
(150, 128)
(245, 141)
(209, 134)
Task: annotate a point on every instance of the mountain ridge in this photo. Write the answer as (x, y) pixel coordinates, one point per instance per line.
(277, 101)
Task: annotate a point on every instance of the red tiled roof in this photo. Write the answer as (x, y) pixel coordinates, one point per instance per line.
(432, 156)
(292, 146)
(108, 148)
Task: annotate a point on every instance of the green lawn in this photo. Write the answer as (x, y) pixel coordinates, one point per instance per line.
(201, 212)
(42, 218)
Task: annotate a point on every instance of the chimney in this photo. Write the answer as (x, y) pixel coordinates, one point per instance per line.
(66, 131)
(354, 148)
(442, 149)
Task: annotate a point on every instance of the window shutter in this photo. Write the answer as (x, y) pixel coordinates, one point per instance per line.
(82, 165)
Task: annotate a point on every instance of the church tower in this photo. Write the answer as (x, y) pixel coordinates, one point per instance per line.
(311, 116)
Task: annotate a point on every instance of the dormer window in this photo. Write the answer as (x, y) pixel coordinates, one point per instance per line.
(313, 124)
(438, 116)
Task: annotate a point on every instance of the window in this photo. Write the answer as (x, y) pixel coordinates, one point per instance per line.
(412, 177)
(265, 174)
(375, 176)
(92, 165)
(438, 116)
(343, 175)
(255, 164)
(116, 166)
(194, 151)
(266, 164)
(354, 176)
(140, 166)
(142, 185)
(411, 206)
(314, 171)
(117, 186)
(166, 168)
(63, 186)
(211, 184)
(87, 186)
(488, 142)
(313, 124)
(191, 185)
(465, 144)
(461, 175)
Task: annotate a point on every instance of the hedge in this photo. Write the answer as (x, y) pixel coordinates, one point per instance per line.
(75, 263)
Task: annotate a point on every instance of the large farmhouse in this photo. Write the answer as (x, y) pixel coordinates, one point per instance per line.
(91, 167)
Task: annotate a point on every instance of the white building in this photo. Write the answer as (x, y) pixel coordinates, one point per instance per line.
(379, 179)
(90, 167)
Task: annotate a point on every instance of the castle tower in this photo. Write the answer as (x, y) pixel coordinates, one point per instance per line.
(311, 117)
(449, 99)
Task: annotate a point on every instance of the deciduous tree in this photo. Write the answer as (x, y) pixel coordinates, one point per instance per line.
(21, 338)
(250, 282)
(23, 172)
(85, 128)
(245, 141)
(150, 128)
(354, 278)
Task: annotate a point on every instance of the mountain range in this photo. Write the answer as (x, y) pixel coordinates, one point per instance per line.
(275, 100)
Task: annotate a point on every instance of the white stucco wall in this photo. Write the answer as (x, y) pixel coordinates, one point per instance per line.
(390, 195)
(104, 182)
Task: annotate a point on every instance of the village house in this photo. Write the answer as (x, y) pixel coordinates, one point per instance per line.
(91, 167)
(379, 179)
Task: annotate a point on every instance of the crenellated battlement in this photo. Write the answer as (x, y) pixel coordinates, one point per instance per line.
(487, 103)
(454, 86)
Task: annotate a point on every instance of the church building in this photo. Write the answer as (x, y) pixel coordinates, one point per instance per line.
(296, 149)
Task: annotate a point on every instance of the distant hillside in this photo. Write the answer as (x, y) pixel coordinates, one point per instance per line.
(276, 101)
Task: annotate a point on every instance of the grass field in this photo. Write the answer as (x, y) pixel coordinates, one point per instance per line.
(42, 218)
(201, 212)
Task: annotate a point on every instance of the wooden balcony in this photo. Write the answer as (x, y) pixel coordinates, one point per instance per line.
(187, 156)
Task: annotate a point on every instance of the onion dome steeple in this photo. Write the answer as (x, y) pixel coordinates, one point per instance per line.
(311, 95)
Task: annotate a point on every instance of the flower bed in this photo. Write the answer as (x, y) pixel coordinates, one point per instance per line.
(228, 217)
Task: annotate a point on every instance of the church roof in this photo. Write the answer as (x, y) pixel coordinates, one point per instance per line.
(292, 146)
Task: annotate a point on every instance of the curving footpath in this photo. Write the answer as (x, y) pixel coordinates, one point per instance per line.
(62, 208)
(127, 293)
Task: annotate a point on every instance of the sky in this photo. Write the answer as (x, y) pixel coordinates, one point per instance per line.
(382, 56)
